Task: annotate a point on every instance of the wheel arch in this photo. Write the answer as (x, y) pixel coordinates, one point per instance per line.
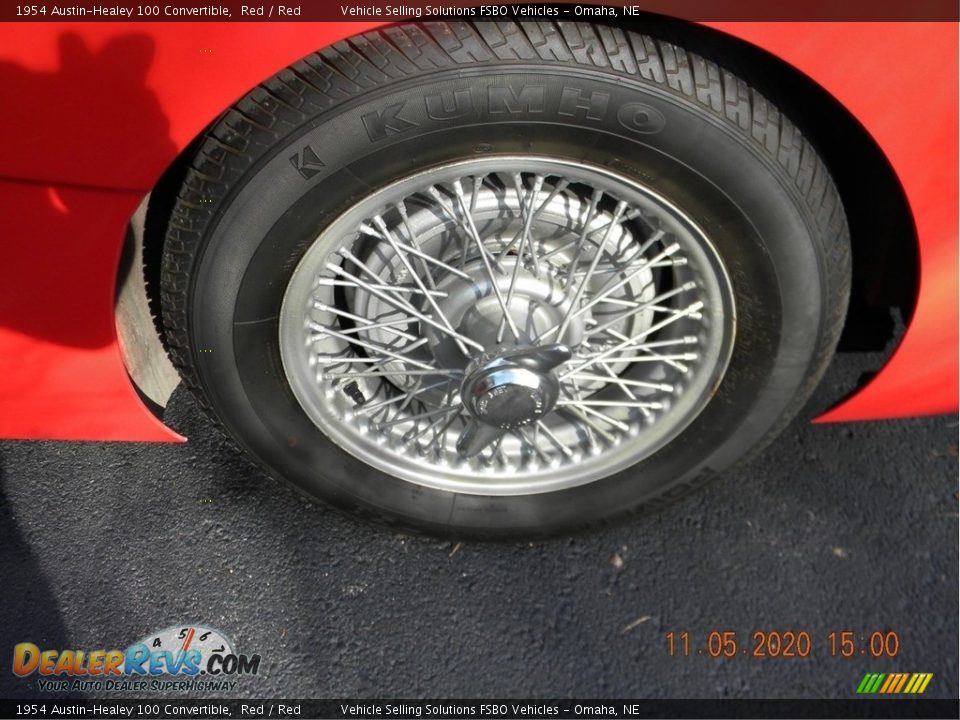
(884, 240)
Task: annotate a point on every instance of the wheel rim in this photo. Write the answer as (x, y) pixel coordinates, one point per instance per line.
(454, 280)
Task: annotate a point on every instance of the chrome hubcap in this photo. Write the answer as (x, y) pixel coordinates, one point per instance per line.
(513, 388)
(507, 326)
(507, 391)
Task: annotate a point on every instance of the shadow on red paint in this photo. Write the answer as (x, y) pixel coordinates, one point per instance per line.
(60, 242)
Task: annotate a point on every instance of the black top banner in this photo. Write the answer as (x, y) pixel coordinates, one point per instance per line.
(360, 10)
(478, 709)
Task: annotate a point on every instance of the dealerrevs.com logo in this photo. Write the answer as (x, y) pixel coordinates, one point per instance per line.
(179, 658)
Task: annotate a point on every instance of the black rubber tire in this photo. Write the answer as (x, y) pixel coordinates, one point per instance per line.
(308, 143)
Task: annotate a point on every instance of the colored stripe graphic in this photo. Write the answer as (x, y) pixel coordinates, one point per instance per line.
(870, 683)
(894, 683)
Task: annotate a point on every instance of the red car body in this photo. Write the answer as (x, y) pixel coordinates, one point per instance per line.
(95, 112)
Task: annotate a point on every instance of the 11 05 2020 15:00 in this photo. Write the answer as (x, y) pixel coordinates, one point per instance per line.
(782, 643)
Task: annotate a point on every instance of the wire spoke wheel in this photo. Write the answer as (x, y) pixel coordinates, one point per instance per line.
(488, 280)
(507, 326)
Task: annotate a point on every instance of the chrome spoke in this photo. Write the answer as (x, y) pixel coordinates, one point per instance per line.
(633, 341)
(387, 373)
(367, 323)
(465, 220)
(615, 379)
(553, 438)
(524, 242)
(617, 215)
(557, 189)
(528, 215)
(605, 293)
(323, 331)
(524, 434)
(651, 354)
(663, 387)
(330, 282)
(649, 305)
(401, 256)
(485, 256)
(583, 404)
(400, 398)
(403, 305)
(585, 410)
(414, 250)
(584, 232)
(440, 435)
(419, 416)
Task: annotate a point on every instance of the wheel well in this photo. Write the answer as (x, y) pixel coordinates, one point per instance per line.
(883, 236)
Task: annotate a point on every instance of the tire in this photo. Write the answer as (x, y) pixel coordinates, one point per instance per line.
(286, 173)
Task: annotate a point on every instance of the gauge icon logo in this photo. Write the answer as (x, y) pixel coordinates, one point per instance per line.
(187, 650)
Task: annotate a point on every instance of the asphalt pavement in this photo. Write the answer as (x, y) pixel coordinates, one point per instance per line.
(832, 528)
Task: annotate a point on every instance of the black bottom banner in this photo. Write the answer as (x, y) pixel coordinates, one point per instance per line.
(479, 709)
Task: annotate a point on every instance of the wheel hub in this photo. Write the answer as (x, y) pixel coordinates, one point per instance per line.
(513, 388)
(509, 398)
(535, 305)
